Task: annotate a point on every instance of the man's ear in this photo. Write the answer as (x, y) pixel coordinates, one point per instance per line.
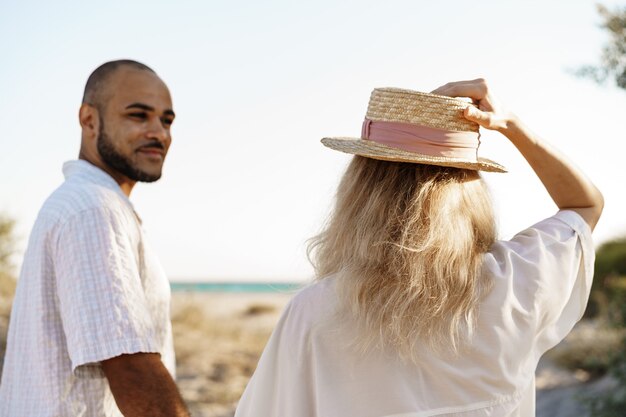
(89, 121)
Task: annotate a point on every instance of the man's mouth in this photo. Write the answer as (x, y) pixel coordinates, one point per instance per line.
(152, 150)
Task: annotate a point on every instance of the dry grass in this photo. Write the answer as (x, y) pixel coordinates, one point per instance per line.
(257, 309)
(217, 352)
(7, 289)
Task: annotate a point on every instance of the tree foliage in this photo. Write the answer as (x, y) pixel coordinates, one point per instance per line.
(613, 56)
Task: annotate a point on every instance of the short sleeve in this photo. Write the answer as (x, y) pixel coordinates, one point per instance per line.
(551, 268)
(101, 296)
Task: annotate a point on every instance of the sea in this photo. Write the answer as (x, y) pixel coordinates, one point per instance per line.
(237, 287)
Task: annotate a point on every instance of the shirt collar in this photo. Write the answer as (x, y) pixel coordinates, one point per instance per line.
(91, 173)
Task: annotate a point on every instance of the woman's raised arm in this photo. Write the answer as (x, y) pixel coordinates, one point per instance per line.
(569, 188)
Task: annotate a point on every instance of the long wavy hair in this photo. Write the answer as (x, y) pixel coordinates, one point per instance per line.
(405, 243)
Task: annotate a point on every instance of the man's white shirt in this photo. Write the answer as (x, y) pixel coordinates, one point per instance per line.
(90, 289)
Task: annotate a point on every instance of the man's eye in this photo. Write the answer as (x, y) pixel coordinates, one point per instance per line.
(141, 116)
(167, 122)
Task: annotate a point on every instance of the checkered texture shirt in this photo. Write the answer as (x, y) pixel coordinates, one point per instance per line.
(90, 289)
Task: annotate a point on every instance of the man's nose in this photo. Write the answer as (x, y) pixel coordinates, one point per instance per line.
(157, 131)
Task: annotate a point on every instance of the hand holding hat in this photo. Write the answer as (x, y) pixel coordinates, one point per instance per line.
(489, 114)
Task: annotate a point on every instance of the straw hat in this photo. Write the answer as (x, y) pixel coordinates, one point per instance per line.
(410, 126)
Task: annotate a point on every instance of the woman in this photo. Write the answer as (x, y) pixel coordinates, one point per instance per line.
(418, 310)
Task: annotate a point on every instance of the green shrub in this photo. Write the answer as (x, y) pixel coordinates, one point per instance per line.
(608, 290)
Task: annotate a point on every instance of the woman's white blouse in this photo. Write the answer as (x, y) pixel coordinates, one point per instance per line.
(541, 283)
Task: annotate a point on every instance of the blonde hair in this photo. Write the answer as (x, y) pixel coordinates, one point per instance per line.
(405, 242)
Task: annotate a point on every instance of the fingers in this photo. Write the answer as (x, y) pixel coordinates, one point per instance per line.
(473, 114)
(487, 113)
(474, 89)
(486, 119)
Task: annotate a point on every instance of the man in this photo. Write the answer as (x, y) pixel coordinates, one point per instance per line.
(90, 333)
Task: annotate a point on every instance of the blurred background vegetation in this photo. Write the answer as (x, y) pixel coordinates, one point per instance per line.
(7, 278)
(607, 306)
(609, 284)
(608, 298)
(7, 271)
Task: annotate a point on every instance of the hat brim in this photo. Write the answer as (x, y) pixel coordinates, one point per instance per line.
(374, 150)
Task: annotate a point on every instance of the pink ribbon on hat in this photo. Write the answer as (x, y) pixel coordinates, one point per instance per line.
(422, 139)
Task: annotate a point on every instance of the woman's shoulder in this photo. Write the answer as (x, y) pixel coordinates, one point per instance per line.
(542, 246)
(557, 228)
(305, 312)
(315, 296)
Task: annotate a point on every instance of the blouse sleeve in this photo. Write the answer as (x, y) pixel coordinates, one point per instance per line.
(551, 268)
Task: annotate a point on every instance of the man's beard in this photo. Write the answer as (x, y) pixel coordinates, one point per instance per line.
(119, 162)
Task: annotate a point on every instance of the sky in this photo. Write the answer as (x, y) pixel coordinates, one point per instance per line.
(257, 84)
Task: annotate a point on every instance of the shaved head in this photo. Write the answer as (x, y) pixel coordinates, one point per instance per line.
(95, 89)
